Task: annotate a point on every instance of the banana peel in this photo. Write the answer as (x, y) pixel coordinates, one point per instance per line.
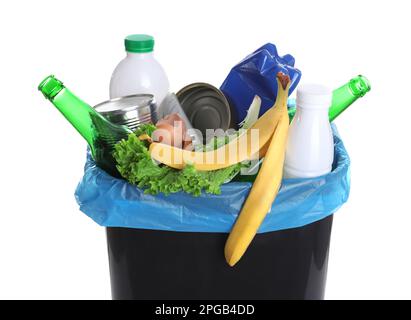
(273, 131)
(266, 185)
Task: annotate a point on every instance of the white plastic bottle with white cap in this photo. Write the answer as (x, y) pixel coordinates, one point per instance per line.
(139, 72)
(310, 146)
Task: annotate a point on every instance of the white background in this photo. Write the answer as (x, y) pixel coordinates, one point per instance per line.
(49, 249)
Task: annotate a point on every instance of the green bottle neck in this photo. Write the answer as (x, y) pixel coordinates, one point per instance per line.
(76, 111)
(343, 97)
(100, 134)
(346, 95)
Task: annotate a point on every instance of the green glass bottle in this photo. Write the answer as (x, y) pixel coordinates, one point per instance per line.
(344, 96)
(100, 134)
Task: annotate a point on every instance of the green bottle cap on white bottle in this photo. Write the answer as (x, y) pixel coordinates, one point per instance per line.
(139, 43)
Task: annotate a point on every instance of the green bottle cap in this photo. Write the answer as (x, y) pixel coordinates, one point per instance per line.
(360, 85)
(139, 43)
(50, 87)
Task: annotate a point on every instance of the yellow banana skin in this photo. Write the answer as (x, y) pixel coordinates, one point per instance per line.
(211, 160)
(266, 185)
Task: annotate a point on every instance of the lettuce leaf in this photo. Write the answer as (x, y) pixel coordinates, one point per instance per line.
(135, 165)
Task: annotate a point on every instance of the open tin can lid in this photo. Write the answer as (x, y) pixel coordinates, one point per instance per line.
(206, 107)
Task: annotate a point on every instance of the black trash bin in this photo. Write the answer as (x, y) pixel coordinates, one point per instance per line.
(172, 246)
(286, 264)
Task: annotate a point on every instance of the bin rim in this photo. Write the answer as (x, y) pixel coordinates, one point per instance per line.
(112, 202)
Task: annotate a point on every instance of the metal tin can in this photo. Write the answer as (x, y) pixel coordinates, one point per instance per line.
(206, 107)
(131, 111)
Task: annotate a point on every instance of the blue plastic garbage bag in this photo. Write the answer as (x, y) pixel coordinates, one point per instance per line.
(113, 202)
(256, 75)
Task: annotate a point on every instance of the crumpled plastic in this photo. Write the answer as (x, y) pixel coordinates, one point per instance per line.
(256, 75)
(112, 202)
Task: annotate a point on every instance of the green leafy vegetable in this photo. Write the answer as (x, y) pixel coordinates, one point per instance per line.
(135, 164)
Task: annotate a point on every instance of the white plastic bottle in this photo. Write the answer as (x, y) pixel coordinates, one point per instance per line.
(139, 72)
(310, 146)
